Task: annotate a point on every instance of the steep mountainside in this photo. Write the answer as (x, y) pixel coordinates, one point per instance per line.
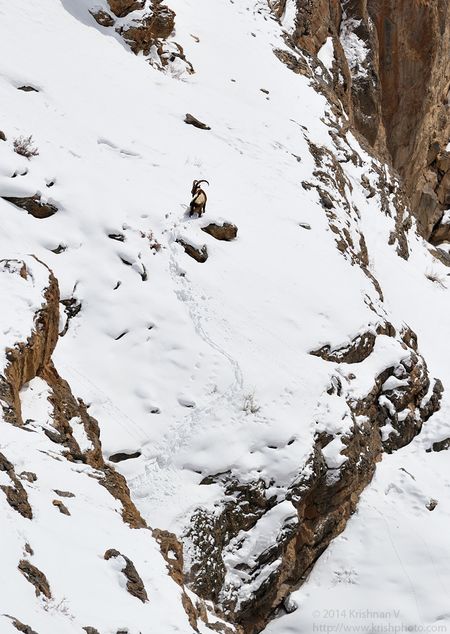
(238, 422)
(391, 70)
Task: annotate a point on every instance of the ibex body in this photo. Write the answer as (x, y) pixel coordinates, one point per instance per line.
(198, 202)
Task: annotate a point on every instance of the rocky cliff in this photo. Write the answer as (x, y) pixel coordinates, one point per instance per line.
(392, 72)
(249, 396)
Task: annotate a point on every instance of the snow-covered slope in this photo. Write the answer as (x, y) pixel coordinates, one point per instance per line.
(203, 371)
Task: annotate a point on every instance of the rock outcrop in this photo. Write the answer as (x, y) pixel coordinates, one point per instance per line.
(147, 31)
(36, 578)
(247, 581)
(135, 585)
(16, 494)
(67, 435)
(391, 71)
(147, 26)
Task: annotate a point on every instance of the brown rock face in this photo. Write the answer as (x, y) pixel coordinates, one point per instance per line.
(21, 627)
(121, 8)
(321, 502)
(36, 578)
(414, 71)
(316, 20)
(393, 82)
(26, 359)
(172, 551)
(33, 358)
(150, 29)
(16, 495)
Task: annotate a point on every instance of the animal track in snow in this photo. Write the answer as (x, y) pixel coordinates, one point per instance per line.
(116, 148)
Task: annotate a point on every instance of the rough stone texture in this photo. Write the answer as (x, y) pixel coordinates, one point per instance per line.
(324, 500)
(146, 32)
(21, 627)
(172, 551)
(200, 255)
(441, 445)
(33, 206)
(191, 120)
(135, 585)
(33, 358)
(62, 507)
(35, 577)
(121, 8)
(28, 358)
(226, 231)
(414, 70)
(64, 494)
(397, 96)
(66, 407)
(440, 234)
(103, 18)
(358, 350)
(16, 495)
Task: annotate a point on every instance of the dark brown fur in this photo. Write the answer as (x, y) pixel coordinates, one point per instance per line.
(198, 202)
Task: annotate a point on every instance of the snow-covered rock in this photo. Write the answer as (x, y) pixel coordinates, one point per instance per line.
(245, 402)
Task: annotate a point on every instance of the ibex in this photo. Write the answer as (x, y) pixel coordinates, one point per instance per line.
(198, 202)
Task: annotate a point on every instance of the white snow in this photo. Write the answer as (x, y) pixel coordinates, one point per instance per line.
(326, 54)
(79, 433)
(22, 298)
(166, 351)
(355, 48)
(288, 17)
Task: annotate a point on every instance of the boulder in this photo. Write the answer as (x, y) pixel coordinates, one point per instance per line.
(143, 34)
(199, 254)
(191, 120)
(33, 205)
(225, 231)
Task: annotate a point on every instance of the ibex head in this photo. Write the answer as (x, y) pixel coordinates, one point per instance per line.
(196, 185)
